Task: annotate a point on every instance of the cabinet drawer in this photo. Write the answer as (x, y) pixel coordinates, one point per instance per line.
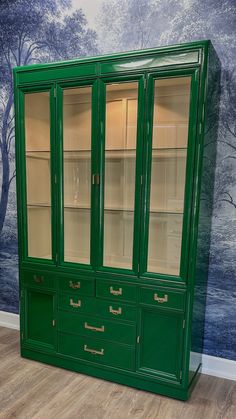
(83, 286)
(98, 351)
(102, 308)
(160, 297)
(39, 279)
(116, 290)
(96, 327)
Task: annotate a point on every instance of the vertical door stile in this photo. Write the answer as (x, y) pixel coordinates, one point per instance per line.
(54, 186)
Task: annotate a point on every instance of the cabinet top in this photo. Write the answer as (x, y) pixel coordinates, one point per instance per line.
(180, 54)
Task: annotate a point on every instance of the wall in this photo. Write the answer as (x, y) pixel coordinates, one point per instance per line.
(42, 31)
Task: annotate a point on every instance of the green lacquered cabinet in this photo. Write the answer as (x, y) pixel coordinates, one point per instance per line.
(114, 190)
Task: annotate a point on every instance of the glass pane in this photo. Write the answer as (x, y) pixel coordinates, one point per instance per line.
(38, 177)
(169, 153)
(120, 154)
(77, 173)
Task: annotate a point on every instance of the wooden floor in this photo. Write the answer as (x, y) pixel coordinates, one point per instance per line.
(30, 390)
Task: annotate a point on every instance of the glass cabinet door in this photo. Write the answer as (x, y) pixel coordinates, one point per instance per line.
(38, 174)
(121, 119)
(170, 126)
(77, 131)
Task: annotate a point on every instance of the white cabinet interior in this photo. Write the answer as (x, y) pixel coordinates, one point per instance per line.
(169, 154)
(77, 127)
(38, 176)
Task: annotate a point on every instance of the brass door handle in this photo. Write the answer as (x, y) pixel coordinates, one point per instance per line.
(38, 279)
(93, 351)
(115, 292)
(74, 285)
(73, 304)
(115, 312)
(161, 299)
(95, 329)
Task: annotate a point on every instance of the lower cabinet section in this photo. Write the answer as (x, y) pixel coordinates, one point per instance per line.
(81, 324)
(95, 350)
(39, 318)
(160, 348)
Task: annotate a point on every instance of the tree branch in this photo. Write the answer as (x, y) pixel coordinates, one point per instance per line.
(230, 200)
(12, 177)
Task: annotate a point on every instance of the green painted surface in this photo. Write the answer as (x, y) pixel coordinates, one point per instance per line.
(157, 359)
(96, 327)
(113, 310)
(163, 298)
(106, 353)
(77, 285)
(116, 290)
(40, 317)
(161, 343)
(39, 279)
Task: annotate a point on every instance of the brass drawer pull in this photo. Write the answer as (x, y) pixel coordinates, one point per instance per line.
(74, 285)
(115, 312)
(93, 351)
(161, 299)
(95, 329)
(73, 304)
(115, 292)
(38, 279)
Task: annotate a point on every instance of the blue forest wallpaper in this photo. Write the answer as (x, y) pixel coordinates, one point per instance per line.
(34, 31)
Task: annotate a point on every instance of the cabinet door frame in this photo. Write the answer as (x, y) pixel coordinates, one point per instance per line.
(178, 379)
(103, 82)
(21, 168)
(60, 87)
(188, 211)
(25, 340)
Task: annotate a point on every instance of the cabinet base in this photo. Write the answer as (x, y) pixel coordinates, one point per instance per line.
(131, 379)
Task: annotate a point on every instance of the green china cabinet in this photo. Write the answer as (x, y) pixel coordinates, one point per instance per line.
(115, 170)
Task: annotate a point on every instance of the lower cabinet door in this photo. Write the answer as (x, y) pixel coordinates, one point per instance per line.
(160, 347)
(39, 318)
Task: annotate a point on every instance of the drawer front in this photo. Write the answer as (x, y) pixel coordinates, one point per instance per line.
(118, 291)
(39, 279)
(116, 311)
(160, 297)
(97, 328)
(83, 286)
(94, 350)
(102, 308)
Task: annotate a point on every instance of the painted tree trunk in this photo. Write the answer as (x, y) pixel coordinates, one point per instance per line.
(5, 163)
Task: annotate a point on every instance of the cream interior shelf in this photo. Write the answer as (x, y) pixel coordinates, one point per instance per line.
(174, 152)
(107, 208)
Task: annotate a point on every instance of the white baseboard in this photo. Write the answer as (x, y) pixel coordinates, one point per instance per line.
(218, 367)
(10, 320)
(211, 365)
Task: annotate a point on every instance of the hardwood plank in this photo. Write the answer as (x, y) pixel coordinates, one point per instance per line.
(30, 390)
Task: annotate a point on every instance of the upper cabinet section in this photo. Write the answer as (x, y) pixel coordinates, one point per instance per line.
(106, 149)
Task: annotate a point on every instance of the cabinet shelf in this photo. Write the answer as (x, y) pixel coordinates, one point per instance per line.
(174, 152)
(120, 209)
(38, 205)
